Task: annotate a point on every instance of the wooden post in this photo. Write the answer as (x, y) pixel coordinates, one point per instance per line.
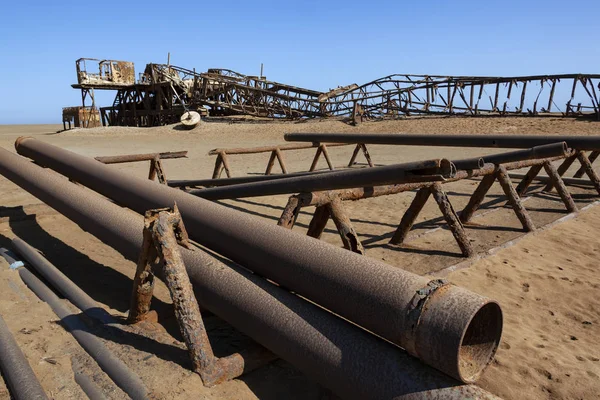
(410, 216)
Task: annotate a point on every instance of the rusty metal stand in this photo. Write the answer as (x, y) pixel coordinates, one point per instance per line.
(322, 149)
(276, 154)
(557, 182)
(586, 165)
(513, 198)
(157, 171)
(220, 164)
(593, 156)
(359, 147)
(586, 168)
(334, 209)
(163, 233)
(528, 179)
(318, 222)
(410, 216)
(452, 220)
(344, 226)
(562, 168)
(290, 212)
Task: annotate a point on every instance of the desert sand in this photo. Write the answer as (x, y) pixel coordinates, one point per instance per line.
(546, 282)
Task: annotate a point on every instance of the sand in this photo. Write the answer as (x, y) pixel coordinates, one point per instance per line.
(545, 282)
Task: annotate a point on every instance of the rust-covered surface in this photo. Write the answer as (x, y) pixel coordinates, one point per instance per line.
(94, 72)
(222, 92)
(80, 117)
(350, 361)
(323, 273)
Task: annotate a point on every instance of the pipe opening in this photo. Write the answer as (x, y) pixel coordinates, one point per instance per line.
(447, 169)
(480, 341)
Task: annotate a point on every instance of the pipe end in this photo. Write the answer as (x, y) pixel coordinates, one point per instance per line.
(20, 139)
(447, 168)
(459, 332)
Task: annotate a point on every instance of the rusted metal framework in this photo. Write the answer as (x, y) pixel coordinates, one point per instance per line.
(156, 171)
(328, 204)
(80, 117)
(325, 274)
(164, 92)
(394, 95)
(350, 361)
(228, 92)
(222, 161)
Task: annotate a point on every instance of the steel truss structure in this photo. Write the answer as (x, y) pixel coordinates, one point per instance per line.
(164, 92)
(227, 92)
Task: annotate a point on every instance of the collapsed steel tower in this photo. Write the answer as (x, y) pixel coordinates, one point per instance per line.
(164, 92)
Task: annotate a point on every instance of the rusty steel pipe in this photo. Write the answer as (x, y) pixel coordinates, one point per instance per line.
(268, 149)
(469, 163)
(430, 170)
(325, 197)
(126, 158)
(237, 179)
(116, 369)
(558, 149)
(501, 141)
(383, 297)
(62, 283)
(544, 151)
(17, 372)
(351, 362)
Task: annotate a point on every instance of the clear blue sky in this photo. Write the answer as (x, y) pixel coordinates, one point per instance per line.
(314, 44)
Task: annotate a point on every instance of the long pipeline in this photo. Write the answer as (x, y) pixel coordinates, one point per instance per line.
(236, 180)
(430, 170)
(543, 151)
(500, 141)
(113, 366)
(351, 362)
(16, 371)
(61, 282)
(457, 331)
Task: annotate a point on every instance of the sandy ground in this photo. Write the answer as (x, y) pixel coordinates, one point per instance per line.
(546, 282)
